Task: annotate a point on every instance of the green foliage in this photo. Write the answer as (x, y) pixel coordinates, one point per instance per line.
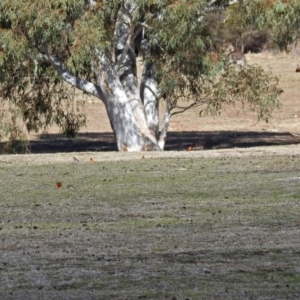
(280, 18)
(182, 39)
(251, 86)
(188, 73)
(12, 137)
(180, 47)
(31, 85)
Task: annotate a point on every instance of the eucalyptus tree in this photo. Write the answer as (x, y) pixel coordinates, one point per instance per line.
(46, 47)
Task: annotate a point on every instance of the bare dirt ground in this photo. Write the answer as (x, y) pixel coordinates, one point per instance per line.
(236, 127)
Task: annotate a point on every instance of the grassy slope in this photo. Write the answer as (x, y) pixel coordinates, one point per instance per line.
(189, 228)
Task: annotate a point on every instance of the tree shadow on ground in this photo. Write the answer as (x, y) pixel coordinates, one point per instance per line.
(205, 140)
(178, 141)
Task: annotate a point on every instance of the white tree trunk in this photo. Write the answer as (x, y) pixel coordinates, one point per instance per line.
(124, 109)
(127, 124)
(150, 98)
(163, 134)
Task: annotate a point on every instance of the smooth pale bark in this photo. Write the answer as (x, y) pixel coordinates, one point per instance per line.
(165, 124)
(126, 70)
(126, 114)
(149, 96)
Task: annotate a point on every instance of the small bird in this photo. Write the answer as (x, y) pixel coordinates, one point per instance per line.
(75, 160)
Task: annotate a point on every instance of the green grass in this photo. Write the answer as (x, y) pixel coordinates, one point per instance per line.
(201, 228)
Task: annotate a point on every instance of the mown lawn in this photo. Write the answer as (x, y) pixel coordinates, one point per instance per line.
(177, 228)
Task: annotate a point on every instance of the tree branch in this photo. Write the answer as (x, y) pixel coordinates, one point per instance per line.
(73, 80)
(123, 13)
(183, 109)
(127, 46)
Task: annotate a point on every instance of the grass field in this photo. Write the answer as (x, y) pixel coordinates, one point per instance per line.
(185, 227)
